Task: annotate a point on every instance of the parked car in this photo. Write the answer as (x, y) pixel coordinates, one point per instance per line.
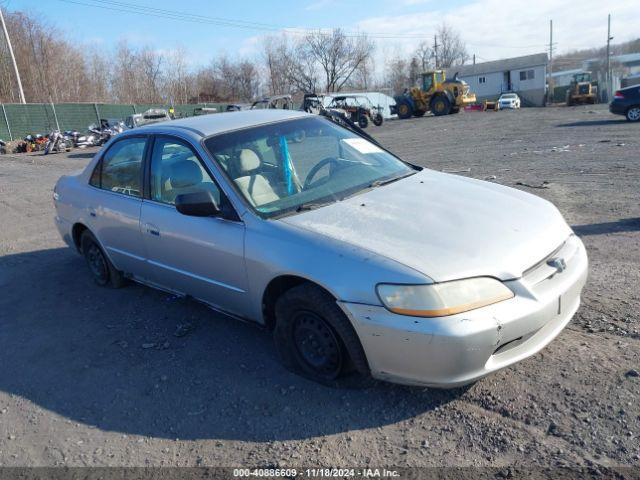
(153, 115)
(627, 102)
(281, 102)
(509, 100)
(359, 262)
(204, 111)
(358, 109)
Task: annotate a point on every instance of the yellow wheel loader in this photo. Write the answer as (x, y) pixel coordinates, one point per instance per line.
(581, 90)
(436, 94)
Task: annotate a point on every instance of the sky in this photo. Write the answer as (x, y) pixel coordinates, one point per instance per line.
(492, 29)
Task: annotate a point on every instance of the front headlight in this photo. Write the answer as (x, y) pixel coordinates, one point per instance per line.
(442, 299)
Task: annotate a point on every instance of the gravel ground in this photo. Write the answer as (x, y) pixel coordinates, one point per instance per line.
(135, 377)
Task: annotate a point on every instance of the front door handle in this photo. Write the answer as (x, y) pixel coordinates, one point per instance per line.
(152, 230)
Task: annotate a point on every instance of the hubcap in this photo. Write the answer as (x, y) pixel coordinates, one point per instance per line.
(317, 345)
(97, 263)
(404, 109)
(439, 106)
(634, 114)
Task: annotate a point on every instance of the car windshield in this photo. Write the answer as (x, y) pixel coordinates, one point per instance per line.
(301, 164)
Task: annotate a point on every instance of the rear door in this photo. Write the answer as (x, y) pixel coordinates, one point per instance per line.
(113, 210)
(199, 256)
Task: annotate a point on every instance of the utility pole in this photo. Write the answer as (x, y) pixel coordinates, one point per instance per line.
(609, 38)
(550, 79)
(435, 49)
(474, 58)
(13, 57)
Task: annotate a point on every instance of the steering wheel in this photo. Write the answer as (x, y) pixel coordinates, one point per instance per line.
(316, 168)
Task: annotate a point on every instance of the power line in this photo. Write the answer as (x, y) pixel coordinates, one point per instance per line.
(128, 7)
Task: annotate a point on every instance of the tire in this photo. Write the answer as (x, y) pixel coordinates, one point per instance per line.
(378, 119)
(440, 106)
(633, 114)
(363, 121)
(404, 110)
(315, 339)
(419, 113)
(101, 268)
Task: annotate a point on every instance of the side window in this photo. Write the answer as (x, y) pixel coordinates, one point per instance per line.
(523, 75)
(482, 79)
(176, 170)
(120, 168)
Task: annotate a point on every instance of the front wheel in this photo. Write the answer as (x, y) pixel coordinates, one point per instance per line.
(314, 338)
(101, 268)
(363, 121)
(378, 119)
(440, 106)
(633, 114)
(404, 109)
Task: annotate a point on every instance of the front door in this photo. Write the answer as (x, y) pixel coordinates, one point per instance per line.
(199, 256)
(113, 209)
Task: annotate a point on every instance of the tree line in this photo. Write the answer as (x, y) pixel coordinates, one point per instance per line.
(55, 69)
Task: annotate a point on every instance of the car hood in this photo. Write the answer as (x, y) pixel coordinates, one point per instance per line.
(445, 226)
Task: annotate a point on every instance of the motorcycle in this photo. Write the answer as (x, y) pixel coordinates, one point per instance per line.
(57, 142)
(79, 140)
(105, 131)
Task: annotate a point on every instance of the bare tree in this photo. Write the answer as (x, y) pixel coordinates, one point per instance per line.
(424, 54)
(451, 49)
(396, 74)
(337, 55)
(289, 67)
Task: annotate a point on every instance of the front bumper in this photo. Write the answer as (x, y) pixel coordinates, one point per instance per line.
(459, 349)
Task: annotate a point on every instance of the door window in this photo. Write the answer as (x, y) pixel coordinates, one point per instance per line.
(176, 170)
(120, 170)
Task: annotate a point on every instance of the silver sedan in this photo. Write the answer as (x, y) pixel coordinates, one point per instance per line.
(360, 263)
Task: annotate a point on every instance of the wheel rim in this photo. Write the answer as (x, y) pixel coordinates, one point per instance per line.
(634, 114)
(404, 109)
(439, 106)
(97, 263)
(316, 345)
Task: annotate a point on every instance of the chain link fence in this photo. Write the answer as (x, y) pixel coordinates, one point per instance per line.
(19, 120)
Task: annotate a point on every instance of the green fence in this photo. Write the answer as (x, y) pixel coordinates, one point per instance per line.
(18, 120)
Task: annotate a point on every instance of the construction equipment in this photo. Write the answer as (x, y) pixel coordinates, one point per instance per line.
(436, 94)
(581, 90)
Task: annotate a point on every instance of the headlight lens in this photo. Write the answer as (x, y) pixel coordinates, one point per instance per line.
(442, 299)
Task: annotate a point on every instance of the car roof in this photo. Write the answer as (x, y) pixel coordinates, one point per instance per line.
(205, 125)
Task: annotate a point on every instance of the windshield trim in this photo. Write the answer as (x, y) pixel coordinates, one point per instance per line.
(292, 211)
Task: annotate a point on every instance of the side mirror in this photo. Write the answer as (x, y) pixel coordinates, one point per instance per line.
(197, 204)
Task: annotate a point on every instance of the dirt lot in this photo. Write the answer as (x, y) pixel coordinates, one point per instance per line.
(93, 376)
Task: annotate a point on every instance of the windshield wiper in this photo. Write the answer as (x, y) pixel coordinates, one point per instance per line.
(303, 207)
(379, 183)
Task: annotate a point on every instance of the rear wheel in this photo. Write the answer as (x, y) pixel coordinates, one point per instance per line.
(440, 106)
(363, 121)
(378, 119)
(633, 114)
(315, 339)
(102, 270)
(404, 110)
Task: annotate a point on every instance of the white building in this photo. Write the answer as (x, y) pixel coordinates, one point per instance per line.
(525, 76)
